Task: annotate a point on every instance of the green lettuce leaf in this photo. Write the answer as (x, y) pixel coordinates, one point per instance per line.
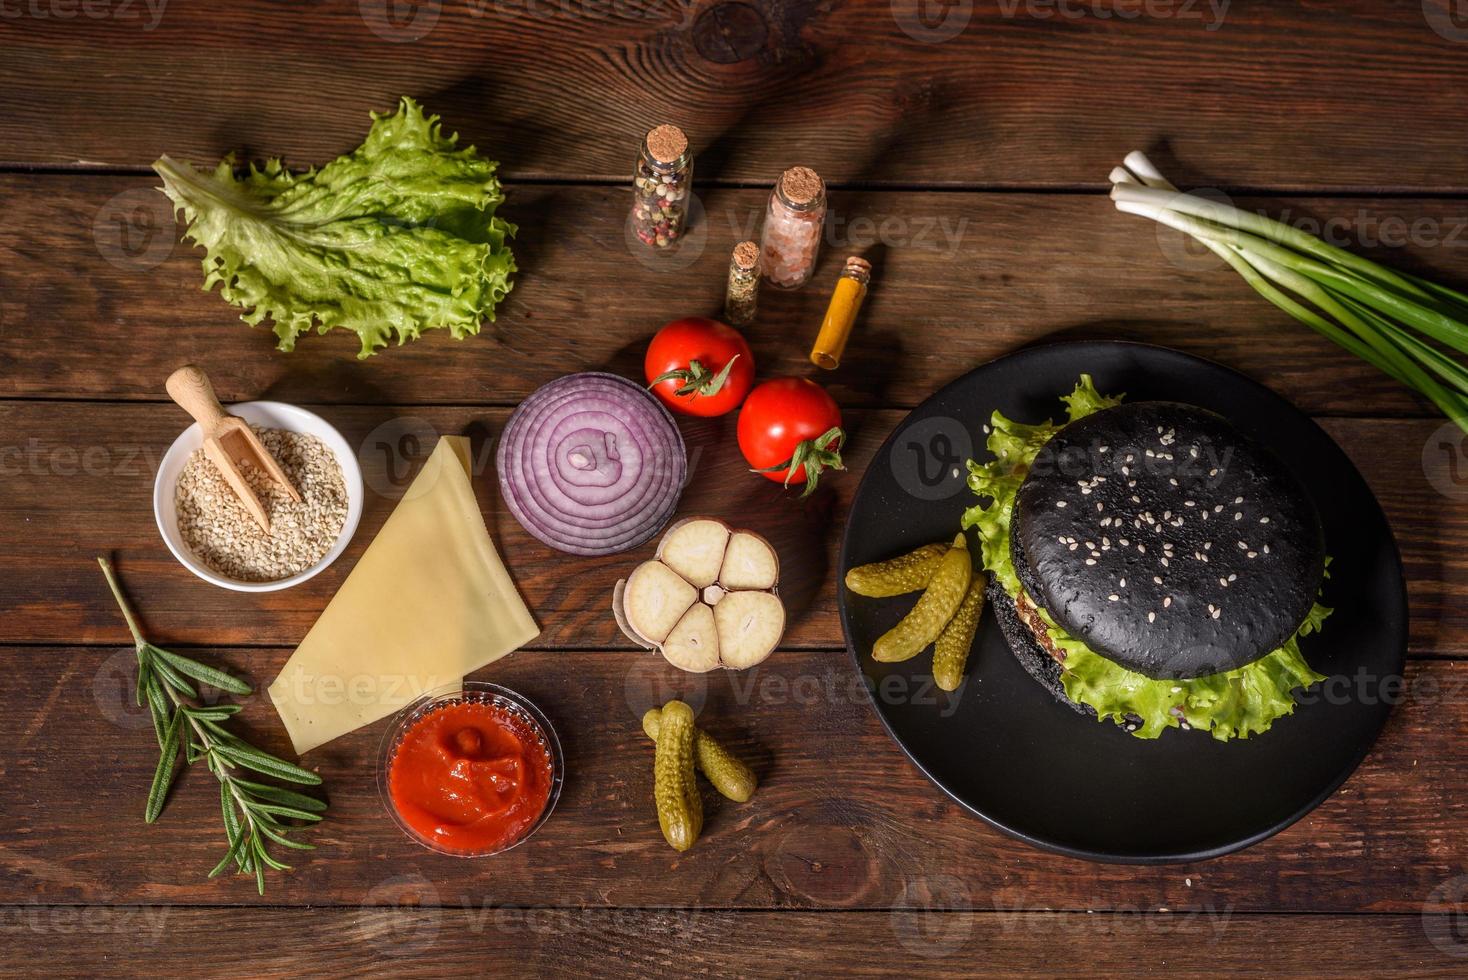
(397, 237)
(1234, 704)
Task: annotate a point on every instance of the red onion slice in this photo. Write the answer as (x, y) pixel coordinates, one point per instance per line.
(591, 464)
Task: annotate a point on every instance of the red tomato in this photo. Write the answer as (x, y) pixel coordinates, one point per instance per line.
(790, 430)
(686, 366)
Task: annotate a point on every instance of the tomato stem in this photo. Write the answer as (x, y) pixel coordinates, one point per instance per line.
(816, 455)
(696, 380)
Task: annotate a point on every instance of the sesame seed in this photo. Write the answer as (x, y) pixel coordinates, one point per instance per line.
(1218, 508)
(1223, 582)
(1122, 583)
(1172, 480)
(1151, 617)
(1164, 563)
(1251, 554)
(1232, 577)
(1238, 515)
(1238, 500)
(1266, 549)
(1090, 561)
(1113, 597)
(1060, 503)
(1217, 613)
(1157, 579)
(1166, 602)
(1174, 691)
(1189, 503)
(1263, 520)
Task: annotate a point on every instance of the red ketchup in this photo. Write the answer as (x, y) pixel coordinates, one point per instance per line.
(471, 777)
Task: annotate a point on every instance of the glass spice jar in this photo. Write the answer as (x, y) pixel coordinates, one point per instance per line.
(791, 239)
(741, 301)
(661, 185)
(846, 300)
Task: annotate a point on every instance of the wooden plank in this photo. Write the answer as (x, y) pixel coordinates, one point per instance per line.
(1247, 93)
(841, 818)
(76, 480)
(95, 302)
(433, 943)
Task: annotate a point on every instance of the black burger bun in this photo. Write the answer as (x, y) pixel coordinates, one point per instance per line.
(1167, 541)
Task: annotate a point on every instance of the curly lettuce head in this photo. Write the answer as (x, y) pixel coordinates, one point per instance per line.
(397, 237)
(1233, 704)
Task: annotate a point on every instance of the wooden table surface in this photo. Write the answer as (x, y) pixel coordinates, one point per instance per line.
(967, 145)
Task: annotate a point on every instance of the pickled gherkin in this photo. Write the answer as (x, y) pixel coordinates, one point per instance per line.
(950, 653)
(896, 576)
(729, 776)
(675, 786)
(939, 601)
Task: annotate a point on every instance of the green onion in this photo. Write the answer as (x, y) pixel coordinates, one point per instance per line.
(1409, 328)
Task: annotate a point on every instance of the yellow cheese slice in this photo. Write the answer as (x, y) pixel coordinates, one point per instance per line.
(429, 602)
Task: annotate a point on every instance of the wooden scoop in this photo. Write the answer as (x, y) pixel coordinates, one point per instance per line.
(228, 440)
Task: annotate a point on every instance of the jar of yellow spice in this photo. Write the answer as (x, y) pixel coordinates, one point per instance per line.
(846, 301)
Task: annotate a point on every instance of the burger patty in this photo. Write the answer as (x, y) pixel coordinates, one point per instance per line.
(1030, 616)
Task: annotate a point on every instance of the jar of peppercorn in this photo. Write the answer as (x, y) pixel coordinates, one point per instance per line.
(661, 187)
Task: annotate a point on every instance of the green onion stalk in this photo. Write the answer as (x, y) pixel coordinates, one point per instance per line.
(1409, 328)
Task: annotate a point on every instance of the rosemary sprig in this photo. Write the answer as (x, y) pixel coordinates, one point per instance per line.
(254, 813)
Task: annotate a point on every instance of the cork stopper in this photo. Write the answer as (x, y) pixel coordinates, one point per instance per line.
(746, 256)
(857, 265)
(801, 186)
(666, 143)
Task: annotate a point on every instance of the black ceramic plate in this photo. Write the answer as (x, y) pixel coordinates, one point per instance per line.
(1034, 768)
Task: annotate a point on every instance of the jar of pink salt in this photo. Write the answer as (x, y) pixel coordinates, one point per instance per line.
(791, 239)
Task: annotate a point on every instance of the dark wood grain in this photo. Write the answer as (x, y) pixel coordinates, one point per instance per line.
(433, 943)
(841, 818)
(1359, 94)
(96, 301)
(76, 480)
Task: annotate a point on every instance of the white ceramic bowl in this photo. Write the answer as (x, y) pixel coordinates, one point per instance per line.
(273, 415)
